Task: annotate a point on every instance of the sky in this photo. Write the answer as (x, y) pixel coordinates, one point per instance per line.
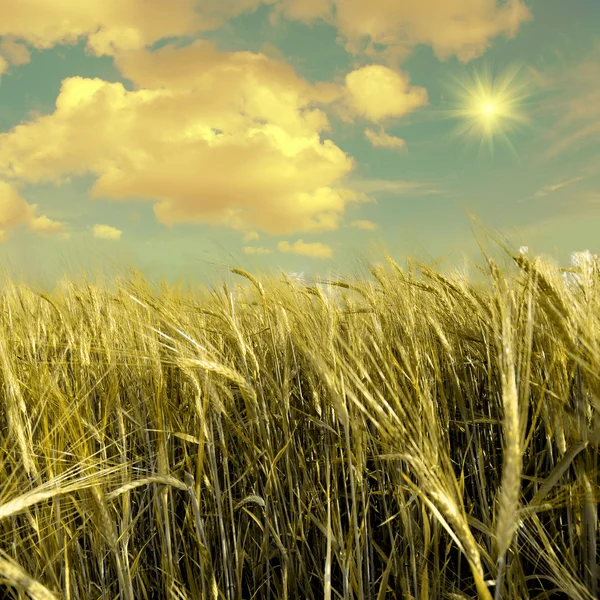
(187, 137)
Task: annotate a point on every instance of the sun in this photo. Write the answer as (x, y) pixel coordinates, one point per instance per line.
(489, 106)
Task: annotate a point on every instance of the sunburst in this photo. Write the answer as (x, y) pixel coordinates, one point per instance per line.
(489, 106)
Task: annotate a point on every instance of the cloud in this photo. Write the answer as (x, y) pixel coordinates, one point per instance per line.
(587, 132)
(306, 11)
(106, 232)
(272, 51)
(45, 225)
(255, 250)
(229, 139)
(17, 53)
(250, 236)
(315, 249)
(376, 92)
(113, 25)
(383, 140)
(548, 189)
(14, 212)
(369, 225)
(395, 187)
(463, 28)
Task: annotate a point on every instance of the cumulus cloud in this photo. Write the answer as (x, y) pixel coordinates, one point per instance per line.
(14, 212)
(196, 114)
(314, 249)
(221, 138)
(377, 92)
(45, 225)
(382, 139)
(368, 225)
(250, 236)
(113, 25)
(463, 28)
(106, 232)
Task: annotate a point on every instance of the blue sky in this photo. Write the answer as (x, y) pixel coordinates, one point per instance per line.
(187, 137)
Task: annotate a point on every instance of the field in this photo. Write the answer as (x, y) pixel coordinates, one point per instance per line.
(421, 438)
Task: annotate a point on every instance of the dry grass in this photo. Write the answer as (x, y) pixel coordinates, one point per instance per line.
(422, 438)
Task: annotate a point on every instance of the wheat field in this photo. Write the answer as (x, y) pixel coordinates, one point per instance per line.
(422, 438)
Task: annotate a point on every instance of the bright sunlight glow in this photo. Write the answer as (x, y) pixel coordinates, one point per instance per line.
(489, 106)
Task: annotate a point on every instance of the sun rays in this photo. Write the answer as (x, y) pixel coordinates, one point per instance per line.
(489, 106)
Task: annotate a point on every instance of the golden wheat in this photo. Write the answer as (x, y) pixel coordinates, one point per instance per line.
(423, 439)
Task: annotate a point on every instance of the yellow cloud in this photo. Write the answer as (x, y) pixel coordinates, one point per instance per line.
(250, 236)
(395, 187)
(106, 232)
(255, 250)
(384, 140)
(45, 225)
(315, 249)
(301, 10)
(462, 28)
(272, 51)
(220, 138)
(377, 92)
(18, 54)
(369, 225)
(113, 25)
(14, 212)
